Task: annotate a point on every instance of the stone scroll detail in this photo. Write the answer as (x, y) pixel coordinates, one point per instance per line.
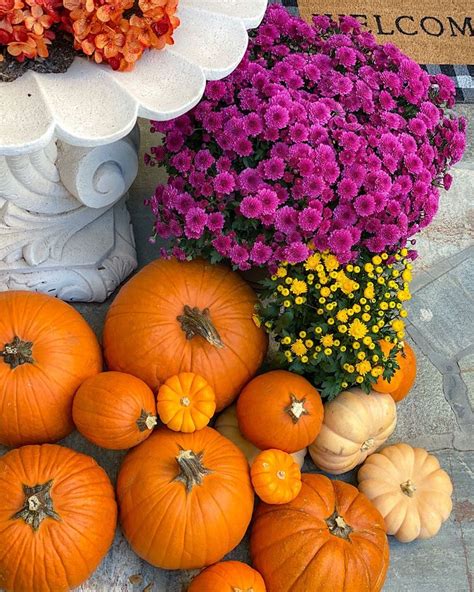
(64, 226)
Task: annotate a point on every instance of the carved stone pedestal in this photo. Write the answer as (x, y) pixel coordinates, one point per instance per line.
(64, 226)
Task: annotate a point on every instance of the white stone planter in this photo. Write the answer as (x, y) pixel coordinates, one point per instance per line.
(69, 151)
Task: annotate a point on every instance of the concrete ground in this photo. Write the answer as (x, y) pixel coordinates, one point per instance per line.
(437, 415)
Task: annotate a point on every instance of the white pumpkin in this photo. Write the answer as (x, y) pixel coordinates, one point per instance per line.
(409, 489)
(227, 425)
(355, 424)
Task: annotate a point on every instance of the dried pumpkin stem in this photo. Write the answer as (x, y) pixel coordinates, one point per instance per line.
(367, 445)
(296, 408)
(408, 487)
(146, 421)
(17, 352)
(198, 322)
(38, 505)
(338, 526)
(192, 471)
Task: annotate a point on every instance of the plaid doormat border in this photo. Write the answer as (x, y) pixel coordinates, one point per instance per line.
(462, 76)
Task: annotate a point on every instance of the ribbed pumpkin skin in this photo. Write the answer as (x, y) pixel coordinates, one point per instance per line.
(294, 550)
(36, 398)
(143, 337)
(355, 425)
(60, 555)
(228, 576)
(262, 411)
(409, 488)
(175, 529)
(108, 406)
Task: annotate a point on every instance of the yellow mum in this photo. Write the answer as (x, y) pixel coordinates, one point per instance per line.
(327, 340)
(342, 315)
(369, 292)
(363, 367)
(281, 272)
(398, 325)
(331, 263)
(312, 262)
(357, 329)
(299, 348)
(299, 287)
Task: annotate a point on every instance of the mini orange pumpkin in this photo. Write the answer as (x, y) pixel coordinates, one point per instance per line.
(330, 537)
(383, 385)
(228, 576)
(407, 361)
(185, 499)
(114, 410)
(46, 351)
(186, 402)
(57, 518)
(276, 477)
(187, 316)
(280, 410)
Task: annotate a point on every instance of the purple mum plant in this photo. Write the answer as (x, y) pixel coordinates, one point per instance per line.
(321, 138)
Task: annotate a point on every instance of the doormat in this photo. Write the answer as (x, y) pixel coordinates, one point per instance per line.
(458, 64)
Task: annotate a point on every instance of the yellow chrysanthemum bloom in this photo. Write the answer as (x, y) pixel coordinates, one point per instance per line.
(287, 303)
(369, 292)
(299, 348)
(376, 260)
(309, 343)
(331, 262)
(357, 329)
(368, 267)
(377, 371)
(325, 291)
(299, 287)
(398, 325)
(281, 272)
(327, 340)
(312, 262)
(328, 351)
(403, 295)
(304, 359)
(366, 317)
(363, 367)
(286, 340)
(342, 315)
(299, 300)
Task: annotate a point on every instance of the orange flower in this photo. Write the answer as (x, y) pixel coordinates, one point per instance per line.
(37, 21)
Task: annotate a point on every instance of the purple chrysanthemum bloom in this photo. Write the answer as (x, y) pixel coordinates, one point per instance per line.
(277, 117)
(250, 180)
(269, 200)
(309, 219)
(260, 253)
(238, 255)
(364, 205)
(203, 160)
(222, 245)
(196, 219)
(224, 183)
(215, 222)
(286, 219)
(297, 252)
(340, 241)
(250, 207)
(274, 168)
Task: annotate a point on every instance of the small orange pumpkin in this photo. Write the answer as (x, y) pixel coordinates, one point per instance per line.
(383, 385)
(280, 410)
(185, 499)
(186, 402)
(276, 477)
(228, 576)
(114, 410)
(57, 518)
(46, 351)
(407, 361)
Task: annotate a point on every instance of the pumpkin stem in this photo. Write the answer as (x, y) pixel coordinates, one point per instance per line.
(367, 444)
(408, 487)
(185, 402)
(296, 408)
(146, 421)
(338, 526)
(38, 505)
(192, 471)
(281, 475)
(198, 322)
(17, 352)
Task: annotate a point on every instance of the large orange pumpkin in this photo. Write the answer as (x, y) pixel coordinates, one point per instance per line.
(46, 351)
(57, 518)
(114, 410)
(188, 316)
(407, 361)
(280, 410)
(228, 576)
(330, 537)
(185, 499)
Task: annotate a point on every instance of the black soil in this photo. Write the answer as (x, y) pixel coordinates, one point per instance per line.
(61, 56)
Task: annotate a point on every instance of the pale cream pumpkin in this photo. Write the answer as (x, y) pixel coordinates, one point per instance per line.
(355, 424)
(409, 489)
(227, 425)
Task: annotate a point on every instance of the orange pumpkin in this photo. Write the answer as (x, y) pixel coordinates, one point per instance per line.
(228, 576)
(276, 477)
(383, 385)
(407, 361)
(57, 518)
(188, 316)
(186, 402)
(280, 410)
(46, 351)
(185, 499)
(328, 538)
(114, 410)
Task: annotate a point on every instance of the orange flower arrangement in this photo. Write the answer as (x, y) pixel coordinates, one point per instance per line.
(116, 32)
